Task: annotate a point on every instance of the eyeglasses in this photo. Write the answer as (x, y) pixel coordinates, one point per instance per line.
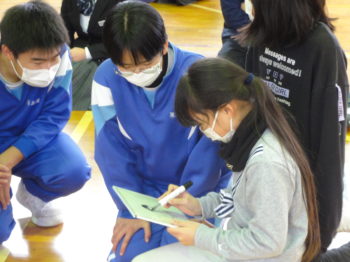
(147, 67)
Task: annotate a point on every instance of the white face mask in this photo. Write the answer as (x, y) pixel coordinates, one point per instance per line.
(38, 77)
(210, 133)
(144, 78)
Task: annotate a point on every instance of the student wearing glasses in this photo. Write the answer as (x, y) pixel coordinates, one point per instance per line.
(139, 143)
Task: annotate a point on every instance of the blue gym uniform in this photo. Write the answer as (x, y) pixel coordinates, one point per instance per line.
(32, 119)
(141, 146)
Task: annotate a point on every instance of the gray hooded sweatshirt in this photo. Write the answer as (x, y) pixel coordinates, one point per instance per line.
(269, 218)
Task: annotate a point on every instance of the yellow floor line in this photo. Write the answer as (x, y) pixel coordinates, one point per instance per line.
(82, 126)
(206, 8)
(40, 239)
(4, 252)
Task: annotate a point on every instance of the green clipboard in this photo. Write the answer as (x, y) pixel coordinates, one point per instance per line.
(135, 202)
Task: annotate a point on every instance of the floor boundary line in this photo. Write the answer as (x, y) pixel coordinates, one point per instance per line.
(4, 253)
(82, 126)
(206, 8)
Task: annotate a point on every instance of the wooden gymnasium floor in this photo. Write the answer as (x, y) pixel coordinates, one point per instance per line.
(90, 213)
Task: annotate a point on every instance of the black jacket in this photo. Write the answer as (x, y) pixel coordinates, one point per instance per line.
(308, 80)
(93, 40)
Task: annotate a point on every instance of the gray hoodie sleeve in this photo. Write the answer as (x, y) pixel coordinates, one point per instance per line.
(268, 191)
(208, 203)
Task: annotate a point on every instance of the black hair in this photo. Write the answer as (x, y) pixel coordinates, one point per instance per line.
(213, 82)
(134, 26)
(208, 87)
(282, 23)
(32, 25)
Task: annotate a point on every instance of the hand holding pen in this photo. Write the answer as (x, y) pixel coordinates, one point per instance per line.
(185, 230)
(184, 201)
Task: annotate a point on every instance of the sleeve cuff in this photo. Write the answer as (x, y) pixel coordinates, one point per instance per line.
(204, 208)
(26, 146)
(203, 237)
(124, 213)
(202, 217)
(87, 53)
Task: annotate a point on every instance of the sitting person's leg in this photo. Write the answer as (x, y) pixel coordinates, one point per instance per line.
(83, 74)
(177, 252)
(57, 170)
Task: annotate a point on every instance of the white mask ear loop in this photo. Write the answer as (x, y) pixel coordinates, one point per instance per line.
(14, 68)
(215, 118)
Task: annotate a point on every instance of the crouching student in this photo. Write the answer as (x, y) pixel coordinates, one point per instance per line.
(35, 105)
(269, 213)
(139, 143)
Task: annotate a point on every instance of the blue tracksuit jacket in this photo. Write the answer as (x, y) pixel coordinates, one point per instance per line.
(144, 148)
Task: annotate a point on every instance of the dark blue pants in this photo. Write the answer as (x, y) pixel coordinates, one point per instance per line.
(59, 169)
(233, 52)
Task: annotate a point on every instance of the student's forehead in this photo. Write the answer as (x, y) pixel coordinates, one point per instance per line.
(128, 58)
(41, 53)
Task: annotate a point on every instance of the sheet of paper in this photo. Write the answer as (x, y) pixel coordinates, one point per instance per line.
(135, 203)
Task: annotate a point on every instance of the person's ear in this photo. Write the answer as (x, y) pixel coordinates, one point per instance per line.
(7, 52)
(230, 109)
(165, 47)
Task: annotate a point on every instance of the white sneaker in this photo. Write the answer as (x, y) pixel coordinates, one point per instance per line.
(44, 214)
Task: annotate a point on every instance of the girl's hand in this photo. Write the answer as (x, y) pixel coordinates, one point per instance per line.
(185, 202)
(185, 232)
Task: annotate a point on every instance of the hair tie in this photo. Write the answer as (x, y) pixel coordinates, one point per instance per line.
(249, 79)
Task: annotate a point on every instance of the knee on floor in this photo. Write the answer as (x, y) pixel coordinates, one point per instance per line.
(4, 235)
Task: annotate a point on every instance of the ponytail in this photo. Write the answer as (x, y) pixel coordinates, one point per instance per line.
(213, 82)
(272, 113)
